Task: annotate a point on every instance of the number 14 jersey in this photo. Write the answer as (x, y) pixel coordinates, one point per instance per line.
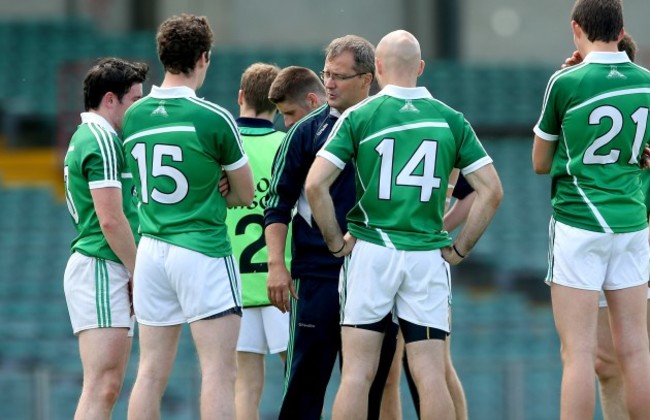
(597, 111)
(404, 144)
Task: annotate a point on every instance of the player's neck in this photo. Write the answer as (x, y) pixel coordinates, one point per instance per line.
(179, 80)
(599, 46)
(250, 113)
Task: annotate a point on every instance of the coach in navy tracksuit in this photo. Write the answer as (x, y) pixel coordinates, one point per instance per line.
(315, 334)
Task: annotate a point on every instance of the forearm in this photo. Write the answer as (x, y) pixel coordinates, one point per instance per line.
(458, 213)
(275, 235)
(480, 214)
(120, 238)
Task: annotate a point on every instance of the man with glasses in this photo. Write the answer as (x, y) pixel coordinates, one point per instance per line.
(312, 297)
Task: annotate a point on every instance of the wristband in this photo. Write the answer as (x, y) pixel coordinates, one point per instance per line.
(456, 251)
(336, 252)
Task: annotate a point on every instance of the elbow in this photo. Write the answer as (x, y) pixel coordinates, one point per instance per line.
(314, 192)
(541, 169)
(108, 225)
(496, 195)
(248, 196)
(541, 166)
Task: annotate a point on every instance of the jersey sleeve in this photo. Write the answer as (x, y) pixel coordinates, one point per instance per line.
(339, 146)
(290, 167)
(549, 123)
(231, 149)
(103, 161)
(471, 154)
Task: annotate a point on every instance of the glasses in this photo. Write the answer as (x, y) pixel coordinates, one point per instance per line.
(324, 75)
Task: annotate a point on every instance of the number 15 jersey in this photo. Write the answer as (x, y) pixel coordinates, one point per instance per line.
(597, 111)
(404, 144)
(176, 145)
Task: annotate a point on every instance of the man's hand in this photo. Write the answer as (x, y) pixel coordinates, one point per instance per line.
(451, 256)
(224, 186)
(278, 287)
(645, 158)
(575, 58)
(350, 241)
(130, 289)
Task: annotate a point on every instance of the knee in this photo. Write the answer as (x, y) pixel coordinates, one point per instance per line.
(108, 389)
(606, 367)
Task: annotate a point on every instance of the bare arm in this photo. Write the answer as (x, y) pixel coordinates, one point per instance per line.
(458, 212)
(489, 193)
(321, 176)
(278, 282)
(241, 189)
(543, 152)
(114, 224)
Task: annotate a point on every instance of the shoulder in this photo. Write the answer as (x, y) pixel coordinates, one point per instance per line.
(212, 113)
(309, 124)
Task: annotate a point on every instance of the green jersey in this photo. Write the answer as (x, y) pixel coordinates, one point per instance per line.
(404, 144)
(95, 159)
(246, 224)
(176, 145)
(597, 111)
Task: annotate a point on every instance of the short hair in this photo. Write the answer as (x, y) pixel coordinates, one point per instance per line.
(255, 85)
(114, 75)
(628, 45)
(293, 83)
(601, 20)
(181, 40)
(362, 51)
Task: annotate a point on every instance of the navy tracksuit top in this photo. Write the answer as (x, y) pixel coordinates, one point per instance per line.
(310, 256)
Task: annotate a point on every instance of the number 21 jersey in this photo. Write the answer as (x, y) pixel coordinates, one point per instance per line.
(597, 111)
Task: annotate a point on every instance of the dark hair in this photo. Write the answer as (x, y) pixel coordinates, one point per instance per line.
(111, 75)
(181, 42)
(628, 45)
(294, 83)
(255, 84)
(601, 20)
(362, 50)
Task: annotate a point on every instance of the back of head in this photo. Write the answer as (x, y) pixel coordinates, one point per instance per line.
(601, 20)
(400, 57)
(362, 51)
(181, 41)
(628, 45)
(255, 84)
(293, 84)
(111, 75)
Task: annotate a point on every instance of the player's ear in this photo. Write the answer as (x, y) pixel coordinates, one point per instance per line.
(312, 100)
(577, 30)
(240, 98)
(422, 64)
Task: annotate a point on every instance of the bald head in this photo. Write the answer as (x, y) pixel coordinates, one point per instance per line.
(398, 59)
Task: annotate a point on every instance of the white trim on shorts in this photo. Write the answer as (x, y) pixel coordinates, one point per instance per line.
(596, 261)
(97, 295)
(263, 329)
(376, 280)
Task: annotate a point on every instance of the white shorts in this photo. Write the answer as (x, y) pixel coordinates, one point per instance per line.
(415, 285)
(174, 285)
(264, 329)
(589, 260)
(97, 294)
(602, 301)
